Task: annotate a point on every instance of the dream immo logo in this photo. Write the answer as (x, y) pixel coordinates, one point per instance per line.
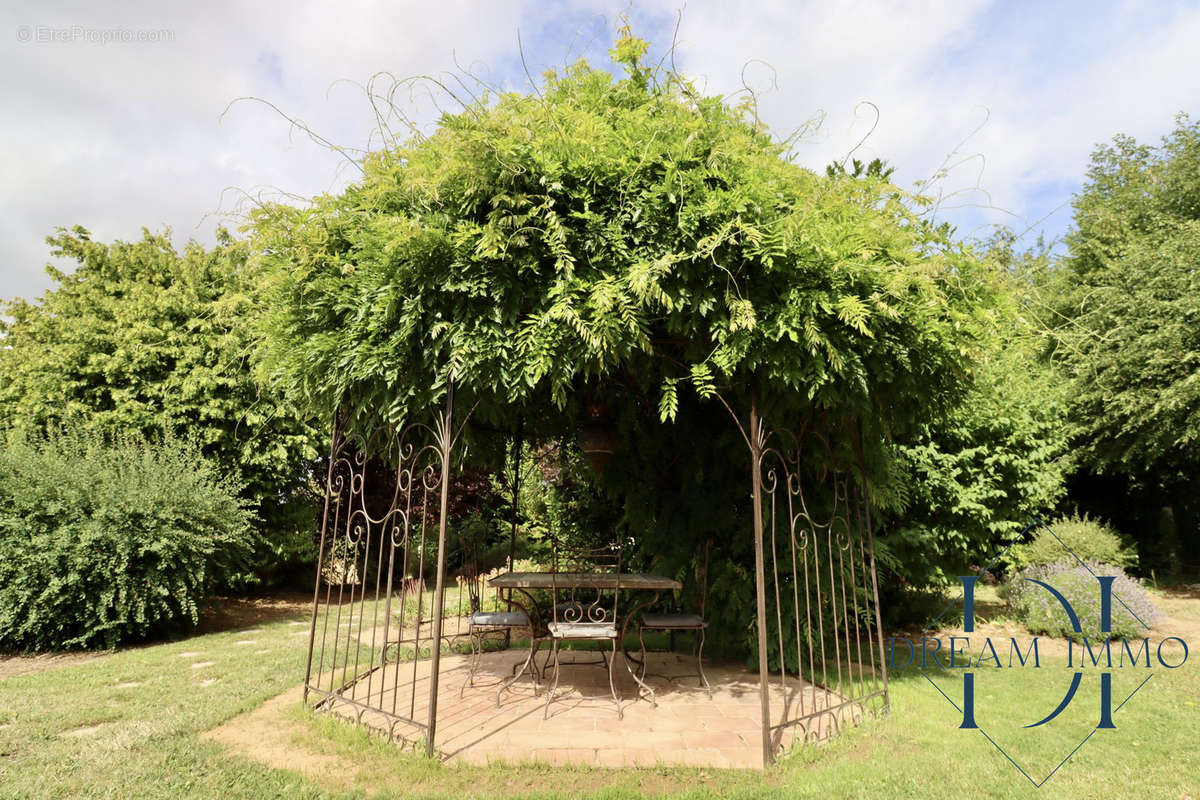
(977, 656)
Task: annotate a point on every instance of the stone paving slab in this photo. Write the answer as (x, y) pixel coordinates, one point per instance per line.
(685, 727)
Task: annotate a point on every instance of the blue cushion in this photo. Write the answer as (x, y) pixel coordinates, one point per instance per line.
(673, 621)
(500, 619)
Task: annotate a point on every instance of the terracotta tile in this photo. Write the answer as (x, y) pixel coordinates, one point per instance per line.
(561, 756)
(691, 717)
(712, 722)
(743, 757)
(719, 741)
(685, 727)
(607, 739)
(653, 741)
(743, 724)
(615, 757)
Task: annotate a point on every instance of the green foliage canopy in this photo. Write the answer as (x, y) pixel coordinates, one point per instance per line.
(603, 227)
(540, 249)
(970, 481)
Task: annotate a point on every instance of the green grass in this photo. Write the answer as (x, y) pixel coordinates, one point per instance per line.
(148, 742)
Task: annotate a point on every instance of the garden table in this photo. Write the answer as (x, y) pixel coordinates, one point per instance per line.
(528, 582)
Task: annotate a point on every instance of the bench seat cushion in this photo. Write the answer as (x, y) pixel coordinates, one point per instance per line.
(673, 621)
(500, 619)
(582, 630)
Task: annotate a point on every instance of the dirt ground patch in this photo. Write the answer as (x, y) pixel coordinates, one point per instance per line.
(267, 735)
(12, 666)
(1179, 618)
(231, 613)
(223, 614)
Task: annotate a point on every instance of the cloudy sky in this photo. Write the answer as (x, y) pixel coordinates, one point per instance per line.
(118, 119)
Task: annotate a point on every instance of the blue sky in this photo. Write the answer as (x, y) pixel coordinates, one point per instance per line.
(118, 135)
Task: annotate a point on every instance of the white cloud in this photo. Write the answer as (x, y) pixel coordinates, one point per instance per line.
(120, 135)
(123, 135)
(1050, 80)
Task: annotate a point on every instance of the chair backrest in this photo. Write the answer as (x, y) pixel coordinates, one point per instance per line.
(469, 574)
(572, 566)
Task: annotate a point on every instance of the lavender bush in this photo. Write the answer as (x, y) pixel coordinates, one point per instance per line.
(1043, 614)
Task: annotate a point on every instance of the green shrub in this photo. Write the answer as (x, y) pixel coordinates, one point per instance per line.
(1039, 611)
(105, 542)
(1090, 539)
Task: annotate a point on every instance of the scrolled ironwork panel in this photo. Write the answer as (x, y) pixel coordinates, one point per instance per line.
(375, 618)
(821, 572)
(817, 590)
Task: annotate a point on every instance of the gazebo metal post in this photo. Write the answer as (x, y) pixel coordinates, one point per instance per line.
(312, 634)
(512, 539)
(755, 440)
(802, 540)
(445, 442)
(862, 471)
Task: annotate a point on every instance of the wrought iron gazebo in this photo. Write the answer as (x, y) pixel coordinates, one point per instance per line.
(816, 588)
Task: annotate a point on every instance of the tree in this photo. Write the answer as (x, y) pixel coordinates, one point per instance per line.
(1127, 329)
(141, 338)
(623, 241)
(603, 228)
(976, 478)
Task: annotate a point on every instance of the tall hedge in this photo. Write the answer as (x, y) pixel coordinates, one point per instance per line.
(107, 542)
(971, 481)
(142, 338)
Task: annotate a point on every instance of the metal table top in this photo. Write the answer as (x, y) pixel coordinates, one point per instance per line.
(583, 580)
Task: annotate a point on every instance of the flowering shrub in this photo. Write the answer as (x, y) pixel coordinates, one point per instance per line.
(1043, 614)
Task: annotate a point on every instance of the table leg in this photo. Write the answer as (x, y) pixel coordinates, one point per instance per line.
(530, 662)
(641, 663)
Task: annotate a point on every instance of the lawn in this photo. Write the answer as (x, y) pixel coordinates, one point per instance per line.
(131, 724)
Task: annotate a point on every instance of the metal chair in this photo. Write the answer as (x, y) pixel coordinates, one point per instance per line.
(673, 623)
(481, 623)
(568, 609)
(584, 609)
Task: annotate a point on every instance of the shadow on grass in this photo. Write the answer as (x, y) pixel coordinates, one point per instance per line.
(1189, 591)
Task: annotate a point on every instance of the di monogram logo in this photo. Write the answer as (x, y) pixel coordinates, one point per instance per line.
(1094, 653)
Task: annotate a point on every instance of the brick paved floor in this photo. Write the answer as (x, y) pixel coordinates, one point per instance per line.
(687, 727)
